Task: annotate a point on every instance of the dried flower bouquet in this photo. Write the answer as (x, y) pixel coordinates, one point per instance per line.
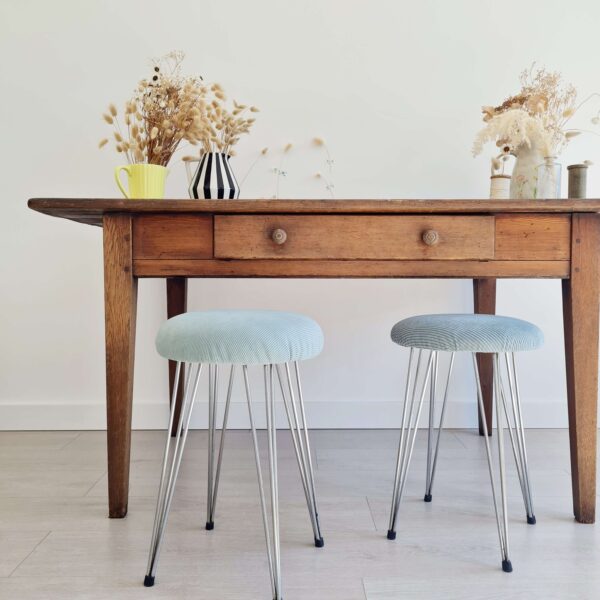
(169, 109)
(537, 116)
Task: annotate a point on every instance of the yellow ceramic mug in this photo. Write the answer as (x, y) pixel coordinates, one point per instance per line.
(144, 181)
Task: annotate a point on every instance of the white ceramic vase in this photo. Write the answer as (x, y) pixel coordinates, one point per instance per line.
(523, 183)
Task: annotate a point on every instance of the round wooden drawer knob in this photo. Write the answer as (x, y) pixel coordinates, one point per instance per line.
(430, 237)
(279, 236)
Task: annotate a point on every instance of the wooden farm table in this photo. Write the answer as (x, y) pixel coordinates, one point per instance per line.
(477, 239)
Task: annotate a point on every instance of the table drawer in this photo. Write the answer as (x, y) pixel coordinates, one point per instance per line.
(347, 237)
(172, 236)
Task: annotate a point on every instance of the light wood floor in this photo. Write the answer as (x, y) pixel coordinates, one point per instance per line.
(56, 542)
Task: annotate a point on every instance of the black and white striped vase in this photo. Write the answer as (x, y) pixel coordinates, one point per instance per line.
(213, 179)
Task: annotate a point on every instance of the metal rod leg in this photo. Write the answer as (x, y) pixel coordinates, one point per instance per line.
(303, 432)
(222, 444)
(272, 438)
(520, 430)
(297, 442)
(170, 470)
(488, 453)
(432, 390)
(506, 564)
(409, 437)
(401, 442)
(271, 537)
(517, 441)
(514, 440)
(441, 425)
(213, 375)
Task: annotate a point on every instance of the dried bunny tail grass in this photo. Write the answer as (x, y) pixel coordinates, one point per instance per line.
(287, 147)
(168, 108)
(264, 151)
(318, 141)
(102, 142)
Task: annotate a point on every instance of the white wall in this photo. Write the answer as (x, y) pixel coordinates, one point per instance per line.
(395, 88)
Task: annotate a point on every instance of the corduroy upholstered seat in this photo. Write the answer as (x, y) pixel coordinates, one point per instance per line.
(470, 333)
(239, 337)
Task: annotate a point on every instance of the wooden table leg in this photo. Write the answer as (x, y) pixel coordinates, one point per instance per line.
(581, 301)
(484, 301)
(120, 298)
(176, 304)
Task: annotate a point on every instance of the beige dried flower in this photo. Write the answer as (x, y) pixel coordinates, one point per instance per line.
(264, 151)
(538, 114)
(168, 108)
(287, 147)
(318, 141)
(102, 142)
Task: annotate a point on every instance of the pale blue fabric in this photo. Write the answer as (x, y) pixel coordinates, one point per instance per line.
(471, 333)
(239, 336)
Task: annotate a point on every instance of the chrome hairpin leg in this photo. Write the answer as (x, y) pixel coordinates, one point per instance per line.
(502, 513)
(518, 442)
(408, 432)
(213, 481)
(431, 470)
(213, 377)
(171, 464)
(296, 416)
(271, 526)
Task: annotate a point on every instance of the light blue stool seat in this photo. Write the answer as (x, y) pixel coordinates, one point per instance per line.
(469, 333)
(239, 337)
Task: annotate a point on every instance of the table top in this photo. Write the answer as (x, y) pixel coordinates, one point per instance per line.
(91, 210)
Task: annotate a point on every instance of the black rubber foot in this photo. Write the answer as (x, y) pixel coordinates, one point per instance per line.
(507, 566)
(427, 498)
(531, 520)
(391, 535)
(210, 525)
(149, 581)
(319, 543)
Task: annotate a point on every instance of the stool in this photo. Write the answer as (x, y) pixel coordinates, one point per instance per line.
(276, 340)
(427, 336)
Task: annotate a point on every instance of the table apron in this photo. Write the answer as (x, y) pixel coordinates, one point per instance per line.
(332, 269)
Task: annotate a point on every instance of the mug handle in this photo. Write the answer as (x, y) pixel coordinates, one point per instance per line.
(118, 178)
